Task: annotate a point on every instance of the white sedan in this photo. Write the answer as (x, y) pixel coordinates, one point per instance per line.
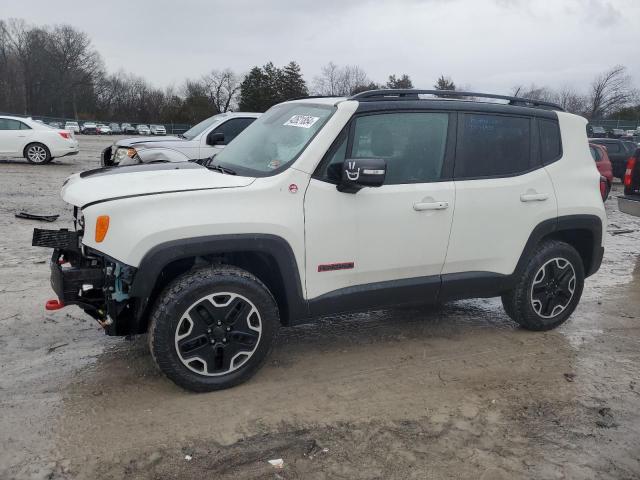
(38, 143)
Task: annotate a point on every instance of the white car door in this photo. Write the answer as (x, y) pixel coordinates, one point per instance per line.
(385, 244)
(14, 135)
(502, 192)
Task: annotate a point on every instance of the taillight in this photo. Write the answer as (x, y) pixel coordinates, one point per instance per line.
(628, 174)
(603, 188)
(66, 135)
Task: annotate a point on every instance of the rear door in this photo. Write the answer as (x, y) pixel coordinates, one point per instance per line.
(502, 193)
(386, 244)
(14, 135)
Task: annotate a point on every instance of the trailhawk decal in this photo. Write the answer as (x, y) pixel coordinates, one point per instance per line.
(330, 267)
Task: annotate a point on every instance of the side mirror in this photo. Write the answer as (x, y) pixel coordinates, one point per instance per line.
(362, 172)
(215, 138)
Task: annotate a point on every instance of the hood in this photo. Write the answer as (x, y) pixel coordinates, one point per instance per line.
(112, 183)
(130, 142)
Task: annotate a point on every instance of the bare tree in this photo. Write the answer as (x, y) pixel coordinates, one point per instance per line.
(223, 87)
(571, 100)
(610, 91)
(340, 81)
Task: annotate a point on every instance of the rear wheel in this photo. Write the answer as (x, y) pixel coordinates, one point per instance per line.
(37, 153)
(549, 289)
(213, 328)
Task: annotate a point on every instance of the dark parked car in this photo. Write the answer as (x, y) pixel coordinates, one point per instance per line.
(630, 201)
(596, 132)
(619, 152)
(128, 129)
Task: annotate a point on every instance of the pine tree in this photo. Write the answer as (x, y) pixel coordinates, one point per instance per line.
(444, 83)
(254, 91)
(403, 82)
(293, 85)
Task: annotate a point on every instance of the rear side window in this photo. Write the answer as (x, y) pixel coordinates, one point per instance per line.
(595, 153)
(493, 146)
(550, 142)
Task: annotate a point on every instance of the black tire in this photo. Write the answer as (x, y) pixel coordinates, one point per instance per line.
(37, 153)
(534, 309)
(203, 345)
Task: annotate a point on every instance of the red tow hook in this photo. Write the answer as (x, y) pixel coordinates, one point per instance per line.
(53, 305)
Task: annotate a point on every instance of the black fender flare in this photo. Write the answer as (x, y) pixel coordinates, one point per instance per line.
(591, 223)
(156, 259)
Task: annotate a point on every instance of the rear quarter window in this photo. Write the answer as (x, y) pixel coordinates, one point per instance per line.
(550, 141)
(492, 146)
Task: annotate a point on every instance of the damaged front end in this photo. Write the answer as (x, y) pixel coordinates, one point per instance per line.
(81, 276)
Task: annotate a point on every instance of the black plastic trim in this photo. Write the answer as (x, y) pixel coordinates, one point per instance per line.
(279, 249)
(375, 295)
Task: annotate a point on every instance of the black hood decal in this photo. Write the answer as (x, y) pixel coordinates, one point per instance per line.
(147, 167)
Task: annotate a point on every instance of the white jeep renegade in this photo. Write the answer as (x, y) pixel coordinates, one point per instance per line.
(329, 205)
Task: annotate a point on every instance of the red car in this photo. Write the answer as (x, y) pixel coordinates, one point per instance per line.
(599, 154)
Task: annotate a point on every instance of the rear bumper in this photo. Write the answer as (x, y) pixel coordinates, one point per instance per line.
(630, 205)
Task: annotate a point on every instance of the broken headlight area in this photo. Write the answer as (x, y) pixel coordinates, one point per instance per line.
(85, 277)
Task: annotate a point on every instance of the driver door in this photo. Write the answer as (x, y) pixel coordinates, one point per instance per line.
(384, 245)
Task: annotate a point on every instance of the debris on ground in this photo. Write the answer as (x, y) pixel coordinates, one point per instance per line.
(621, 231)
(607, 420)
(33, 216)
(188, 458)
(55, 347)
(569, 377)
(277, 463)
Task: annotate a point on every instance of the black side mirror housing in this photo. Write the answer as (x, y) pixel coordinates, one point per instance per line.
(215, 138)
(358, 173)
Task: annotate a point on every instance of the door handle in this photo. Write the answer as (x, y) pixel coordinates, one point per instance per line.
(422, 206)
(533, 197)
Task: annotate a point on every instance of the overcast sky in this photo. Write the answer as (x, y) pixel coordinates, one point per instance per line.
(489, 45)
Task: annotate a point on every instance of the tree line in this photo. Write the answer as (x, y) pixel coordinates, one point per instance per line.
(55, 71)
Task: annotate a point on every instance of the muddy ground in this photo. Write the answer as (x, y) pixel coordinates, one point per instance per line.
(456, 391)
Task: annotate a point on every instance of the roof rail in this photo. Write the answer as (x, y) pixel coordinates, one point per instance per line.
(409, 93)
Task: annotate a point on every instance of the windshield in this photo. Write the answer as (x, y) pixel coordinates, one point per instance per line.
(196, 130)
(275, 139)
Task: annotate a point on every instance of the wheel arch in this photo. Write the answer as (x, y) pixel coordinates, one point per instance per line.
(270, 258)
(34, 142)
(582, 232)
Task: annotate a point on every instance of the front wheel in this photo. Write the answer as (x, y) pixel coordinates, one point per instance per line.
(37, 153)
(213, 328)
(549, 289)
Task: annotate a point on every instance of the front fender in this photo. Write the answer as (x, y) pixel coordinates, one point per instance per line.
(163, 154)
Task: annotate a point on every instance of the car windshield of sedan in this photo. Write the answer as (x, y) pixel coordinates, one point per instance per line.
(274, 140)
(196, 130)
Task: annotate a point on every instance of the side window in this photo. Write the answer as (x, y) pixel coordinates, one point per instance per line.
(493, 146)
(232, 128)
(613, 147)
(337, 156)
(595, 153)
(10, 124)
(24, 126)
(550, 142)
(413, 144)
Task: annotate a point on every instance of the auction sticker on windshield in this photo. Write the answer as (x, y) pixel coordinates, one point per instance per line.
(303, 121)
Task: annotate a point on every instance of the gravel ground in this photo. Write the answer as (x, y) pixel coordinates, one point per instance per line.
(456, 391)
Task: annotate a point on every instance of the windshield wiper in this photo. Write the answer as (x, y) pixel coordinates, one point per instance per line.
(221, 169)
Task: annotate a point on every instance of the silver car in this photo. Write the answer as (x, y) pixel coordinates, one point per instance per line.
(198, 143)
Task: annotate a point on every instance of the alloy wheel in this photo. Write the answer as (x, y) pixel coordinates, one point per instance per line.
(553, 287)
(218, 334)
(37, 154)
